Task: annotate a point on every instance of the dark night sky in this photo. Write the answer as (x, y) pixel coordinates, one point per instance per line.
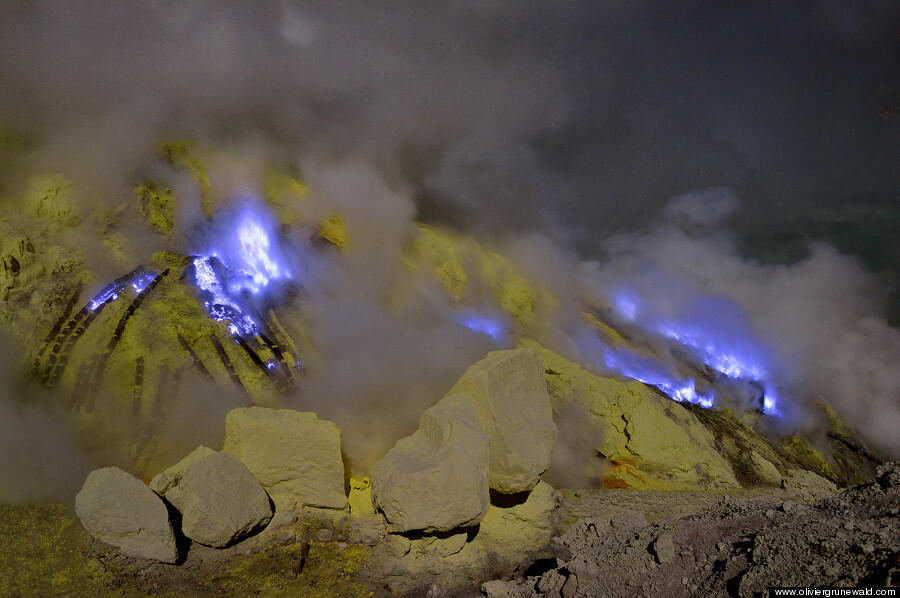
(508, 115)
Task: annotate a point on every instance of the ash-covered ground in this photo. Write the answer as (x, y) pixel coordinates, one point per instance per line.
(723, 546)
(615, 543)
(680, 219)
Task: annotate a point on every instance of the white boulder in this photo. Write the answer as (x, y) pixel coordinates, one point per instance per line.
(510, 393)
(437, 479)
(219, 500)
(119, 509)
(295, 455)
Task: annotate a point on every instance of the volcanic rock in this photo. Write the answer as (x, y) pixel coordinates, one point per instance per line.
(117, 508)
(510, 393)
(294, 455)
(163, 481)
(764, 469)
(219, 499)
(360, 498)
(807, 485)
(506, 538)
(664, 549)
(649, 441)
(520, 529)
(438, 478)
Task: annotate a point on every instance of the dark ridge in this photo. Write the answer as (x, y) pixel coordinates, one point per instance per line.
(120, 330)
(229, 367)
(61, 342)
(198, 363)
(165, 381)
(275, 347)
(71, 340)
(138, 388)
(276, 378)
(66, 342)
(67, 311)
(81, 382)
(149, 429)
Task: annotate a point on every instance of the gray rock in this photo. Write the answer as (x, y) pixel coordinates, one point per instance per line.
(117, 508)
(220, 501)
(510, 392)
(171, 476)
(664, 549)
(496, 589)
(295, 455)
(437, 479)
(807, 486)
(764, 469)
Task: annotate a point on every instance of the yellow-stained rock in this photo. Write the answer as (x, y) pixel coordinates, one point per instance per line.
(50, 200)
(360, 498)
(285, 194)
(506, 537)
(295, 455)
(765, 469)
(437, 479)
(469, 271)
(157, 205)
(334, 231)
(183, 153)
(510, 393)
(649, 441)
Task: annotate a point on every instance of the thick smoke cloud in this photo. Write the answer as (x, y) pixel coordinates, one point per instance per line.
(40, 458)
(821, 319)
(549, 130)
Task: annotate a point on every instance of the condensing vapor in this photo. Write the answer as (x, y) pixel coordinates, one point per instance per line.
(674, 195)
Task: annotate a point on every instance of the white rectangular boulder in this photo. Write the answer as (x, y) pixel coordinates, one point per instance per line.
(510, 392)
(117, 508)
(295, 455)
(437, 478)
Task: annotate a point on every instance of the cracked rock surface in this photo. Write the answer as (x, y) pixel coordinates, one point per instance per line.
(731, 546)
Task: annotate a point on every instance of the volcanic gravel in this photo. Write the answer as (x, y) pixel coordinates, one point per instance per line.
(733, 545)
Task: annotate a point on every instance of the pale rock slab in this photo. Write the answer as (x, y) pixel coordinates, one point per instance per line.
(437, 479)
(170, 477)
(219, 500)
(117, 508)
(295, 455)
(510, 393)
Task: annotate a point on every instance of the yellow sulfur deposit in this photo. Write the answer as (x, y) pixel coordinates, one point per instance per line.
(468, 271)
(360, 497)
(334, 231)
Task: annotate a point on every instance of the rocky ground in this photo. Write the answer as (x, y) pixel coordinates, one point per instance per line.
(726, 546)
(609, 543)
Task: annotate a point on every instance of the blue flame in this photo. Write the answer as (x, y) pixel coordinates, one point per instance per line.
(138, 280)
(491, 326)
(220, 305)
(711, 331)
(243, 260)
(141, 281)
(650, 372)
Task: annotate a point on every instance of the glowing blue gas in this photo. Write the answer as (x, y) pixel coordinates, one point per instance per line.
(138, 280)
(141, 281)
(712, 331)
(241, 263)
(484, 324)
(650, 372)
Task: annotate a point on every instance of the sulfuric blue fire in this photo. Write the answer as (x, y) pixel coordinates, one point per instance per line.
(650, 372)
(242, 264)
(138, 280)
(484, 324)
(710, 331)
